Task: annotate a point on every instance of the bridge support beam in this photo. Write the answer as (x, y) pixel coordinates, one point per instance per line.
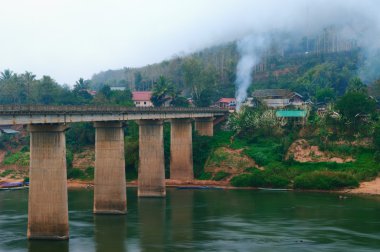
(151, 181)
(109, 186)
(47, 205)
(204, 126)
(181, 150)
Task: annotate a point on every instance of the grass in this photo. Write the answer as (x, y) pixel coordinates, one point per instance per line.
(220, 176)
(269, 153)
(75, 173)
(325, 180)
(6, 173)
(18, 158)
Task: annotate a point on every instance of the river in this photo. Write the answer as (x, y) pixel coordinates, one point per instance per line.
(206, 220)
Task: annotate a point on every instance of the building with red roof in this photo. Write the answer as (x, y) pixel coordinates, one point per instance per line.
(229, 103)
(142, 98)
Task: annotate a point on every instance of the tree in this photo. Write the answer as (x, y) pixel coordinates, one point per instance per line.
(356, 108)
(161, 91)
(6, 75)
(356, 85)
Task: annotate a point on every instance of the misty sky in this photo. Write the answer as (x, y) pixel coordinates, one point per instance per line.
(69, 39)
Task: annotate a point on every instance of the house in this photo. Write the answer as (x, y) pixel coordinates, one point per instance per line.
(229, 103)
(142, 98)
(277, 98)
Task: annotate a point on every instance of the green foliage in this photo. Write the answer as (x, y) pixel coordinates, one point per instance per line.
(18, 158)
(259, 178)
(79, 135)
(69, 159)
(131, 147)
(325, 95)
(205, 176)
(6, 173)
(356, 109)
(249, 122)
(325, 180)
(75, 173)
(25, 148)
(221, 175)
(161, 91)
(26, 180)
(376, 136)
(201, 151)
(90, 172)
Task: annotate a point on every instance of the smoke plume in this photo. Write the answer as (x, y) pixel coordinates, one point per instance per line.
(350, 20)
(250, 49)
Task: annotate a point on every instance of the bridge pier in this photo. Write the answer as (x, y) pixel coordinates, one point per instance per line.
(109, 184)
(151, 180)
(47, 204)
(204, 126)
(181, 150)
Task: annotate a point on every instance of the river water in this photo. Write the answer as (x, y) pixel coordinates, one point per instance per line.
(206, 220)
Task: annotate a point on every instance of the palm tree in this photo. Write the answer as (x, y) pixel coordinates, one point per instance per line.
(161, 91)
(28, 77)
(6, 75)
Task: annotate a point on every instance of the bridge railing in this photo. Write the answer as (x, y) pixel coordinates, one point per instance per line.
(69, 109)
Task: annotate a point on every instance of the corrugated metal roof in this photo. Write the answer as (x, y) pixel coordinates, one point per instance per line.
(284, 93)
(9, 131)
(290, 113)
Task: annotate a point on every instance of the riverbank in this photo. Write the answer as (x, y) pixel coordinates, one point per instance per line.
(369, 188)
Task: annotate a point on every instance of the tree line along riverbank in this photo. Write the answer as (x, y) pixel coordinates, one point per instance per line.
(293, 158)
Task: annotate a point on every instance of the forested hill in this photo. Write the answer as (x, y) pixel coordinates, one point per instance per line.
(309, 66)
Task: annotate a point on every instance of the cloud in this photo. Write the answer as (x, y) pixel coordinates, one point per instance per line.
(70, 39)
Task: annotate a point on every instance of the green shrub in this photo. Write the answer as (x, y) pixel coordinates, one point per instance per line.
(6, 173)
(260, 179)
(2, 144)
(25, 148)
(26, 179)
(325, 180)
(90, 172)
(242, 180)
(221, 175)
(376, 156)
(69, 159)
(75, 173)
(277, 181)
(205, 176)
(18, 158)
(260, 158)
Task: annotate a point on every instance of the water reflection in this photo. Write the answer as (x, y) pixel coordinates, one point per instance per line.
(110, 233)
(181, 218)
(48, 246)
(206, 220)
(151, 214)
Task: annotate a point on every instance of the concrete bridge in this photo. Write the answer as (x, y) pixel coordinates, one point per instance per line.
(48, 207)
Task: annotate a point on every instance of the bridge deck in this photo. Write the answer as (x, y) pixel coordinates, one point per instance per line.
(36, 114)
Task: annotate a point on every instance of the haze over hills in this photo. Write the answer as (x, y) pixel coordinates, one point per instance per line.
(282, 64)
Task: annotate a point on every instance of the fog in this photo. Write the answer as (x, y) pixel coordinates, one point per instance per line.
(69, 39)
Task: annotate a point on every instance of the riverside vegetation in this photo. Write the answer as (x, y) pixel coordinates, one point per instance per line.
(349, 127)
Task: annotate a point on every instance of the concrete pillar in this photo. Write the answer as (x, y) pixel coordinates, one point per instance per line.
(47, 205)
(151, 181)
(181, 150)
(110, 195)
(204, 126)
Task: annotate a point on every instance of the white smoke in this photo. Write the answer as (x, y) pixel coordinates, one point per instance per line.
(250, 49)
(351, 19)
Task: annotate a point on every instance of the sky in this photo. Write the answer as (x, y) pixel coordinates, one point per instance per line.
(70, 39)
